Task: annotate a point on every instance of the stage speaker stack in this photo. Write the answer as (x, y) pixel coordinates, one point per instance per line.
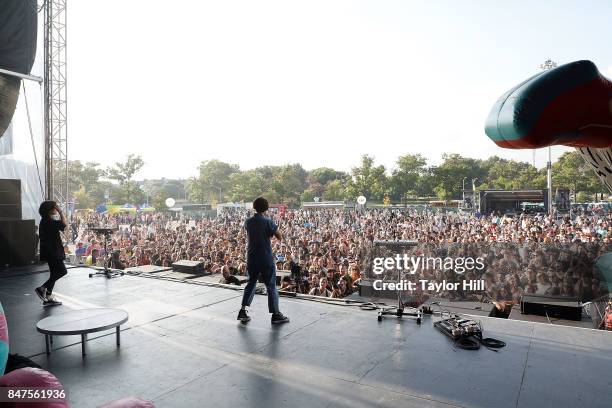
(18, 239)
(559, 307)
(10, 199)
(366, 289)
(17, 242)
(191, 267)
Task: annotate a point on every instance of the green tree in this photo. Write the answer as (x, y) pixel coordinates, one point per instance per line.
(158, 200)
(448, 177)
(83, 199)
(307, 196)
(246, 186)
(513, 175)
(316, 188)
(117, 195)
(99, 192)
(84, 183)
(213, 181)
(272, 196)
(407, 176)
(582, 197)
(124, 173)
(427, 183)
(324, 175)
(572, 172)
(196, 192)
(368, 180)
(174, 188)
(335, 190)
(320, 178)
(83, 175)
(290, 182)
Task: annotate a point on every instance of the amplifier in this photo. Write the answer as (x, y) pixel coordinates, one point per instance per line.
(10, 199)
(559, 307)
(192, 267)
(18, 242)
(366, 289)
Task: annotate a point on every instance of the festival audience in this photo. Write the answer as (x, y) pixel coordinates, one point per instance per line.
(327, 251)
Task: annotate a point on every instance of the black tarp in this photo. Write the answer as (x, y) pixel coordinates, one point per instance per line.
(18, 27)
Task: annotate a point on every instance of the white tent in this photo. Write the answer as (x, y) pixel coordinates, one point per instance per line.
(20, 151)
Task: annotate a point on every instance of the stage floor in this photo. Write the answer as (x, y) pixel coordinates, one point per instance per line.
(182, 347)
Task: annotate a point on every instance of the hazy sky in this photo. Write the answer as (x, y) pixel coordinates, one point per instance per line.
(315, 82)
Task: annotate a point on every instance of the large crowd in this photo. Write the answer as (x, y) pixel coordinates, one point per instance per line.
(328, 251)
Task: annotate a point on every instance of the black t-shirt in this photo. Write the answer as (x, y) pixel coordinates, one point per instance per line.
(51, 246)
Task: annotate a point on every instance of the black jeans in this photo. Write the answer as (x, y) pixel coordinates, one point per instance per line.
(56, 271)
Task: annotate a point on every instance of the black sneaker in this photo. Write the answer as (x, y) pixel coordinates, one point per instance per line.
(42, 293)
(279, 318)
(51, 301)
(243, 316)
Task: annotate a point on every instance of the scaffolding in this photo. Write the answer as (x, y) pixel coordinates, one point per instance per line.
(55, 103)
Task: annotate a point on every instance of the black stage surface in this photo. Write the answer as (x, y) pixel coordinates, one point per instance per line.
(182, 347)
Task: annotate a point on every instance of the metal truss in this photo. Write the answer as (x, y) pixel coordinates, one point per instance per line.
(55, 101)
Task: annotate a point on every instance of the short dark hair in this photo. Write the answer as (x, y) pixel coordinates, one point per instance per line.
(45, 208)
(261, 205)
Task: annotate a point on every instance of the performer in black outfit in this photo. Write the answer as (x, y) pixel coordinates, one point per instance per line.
(51, 249)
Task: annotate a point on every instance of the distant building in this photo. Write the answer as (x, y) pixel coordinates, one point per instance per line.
(321, 205)
(225, 207)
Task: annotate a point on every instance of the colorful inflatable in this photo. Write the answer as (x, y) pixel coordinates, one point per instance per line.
(569, 105)
(4, 347)
(29, 377)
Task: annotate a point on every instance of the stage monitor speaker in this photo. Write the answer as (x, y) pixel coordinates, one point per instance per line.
(5, 243)
(366, 289)
(186, 266)
(559, 307)
(18, 242)
(10, 199)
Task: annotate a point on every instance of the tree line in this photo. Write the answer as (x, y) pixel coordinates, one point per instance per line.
(412, 177)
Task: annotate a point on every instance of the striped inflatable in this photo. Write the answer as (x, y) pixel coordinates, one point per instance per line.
(4, 345)
(601, 161)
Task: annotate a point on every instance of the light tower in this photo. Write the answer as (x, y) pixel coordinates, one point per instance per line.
(55, 102)
(546, 66)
